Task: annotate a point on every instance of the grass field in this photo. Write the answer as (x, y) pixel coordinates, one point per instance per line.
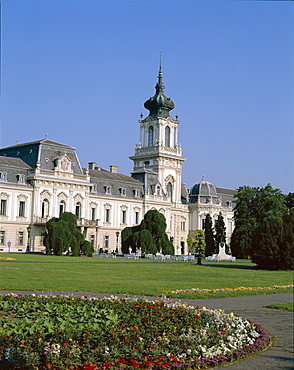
(45, 273)
(283, 306)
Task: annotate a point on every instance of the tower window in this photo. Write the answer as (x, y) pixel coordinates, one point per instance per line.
(151, 136)
(167, 137)
(170, 190)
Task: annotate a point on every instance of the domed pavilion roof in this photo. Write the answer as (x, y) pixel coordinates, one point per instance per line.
(203, 188)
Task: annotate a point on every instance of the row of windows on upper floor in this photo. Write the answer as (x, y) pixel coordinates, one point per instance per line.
(21, 178)
(21, 208)
(167, 136)
(108, 190)
(62, 208)
(92, 213)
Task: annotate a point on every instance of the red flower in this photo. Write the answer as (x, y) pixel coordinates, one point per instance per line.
(122, 361)
(5, 337)
(134, 362)
(89, 367)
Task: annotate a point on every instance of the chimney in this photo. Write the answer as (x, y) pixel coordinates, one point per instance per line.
(92, 165)
(113, 169)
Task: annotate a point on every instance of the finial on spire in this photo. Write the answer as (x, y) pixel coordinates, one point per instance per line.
(203, 177)
(160, 62)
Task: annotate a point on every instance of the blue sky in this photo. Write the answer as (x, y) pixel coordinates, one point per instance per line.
(80, 71)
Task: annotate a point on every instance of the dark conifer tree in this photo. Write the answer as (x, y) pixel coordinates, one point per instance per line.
(209, 236)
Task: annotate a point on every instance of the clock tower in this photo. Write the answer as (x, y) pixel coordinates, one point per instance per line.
(158, 151)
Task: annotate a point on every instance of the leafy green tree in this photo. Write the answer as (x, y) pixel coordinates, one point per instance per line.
(245, 221)
(289, 200)
(63, 237)
(262, 229)
(209, 236)
(197, 243)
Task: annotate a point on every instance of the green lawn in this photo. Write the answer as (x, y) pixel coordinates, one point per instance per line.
(115, 276)
(283, 306)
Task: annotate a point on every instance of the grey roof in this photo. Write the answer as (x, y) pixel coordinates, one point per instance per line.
(42, 141)
(13, 162)
(226, 191)
(43, 152)
(103, 174)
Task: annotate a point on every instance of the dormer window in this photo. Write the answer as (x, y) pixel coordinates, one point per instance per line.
(136, 193)
(93, 188)
(122, 191)
(3, 176)
(20, 178)
(107, 189)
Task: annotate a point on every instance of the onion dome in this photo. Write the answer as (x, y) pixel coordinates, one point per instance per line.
(159, 105)
(203, 188)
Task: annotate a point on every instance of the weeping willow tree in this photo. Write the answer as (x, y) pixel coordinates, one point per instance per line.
(63, 237)
(149, 236)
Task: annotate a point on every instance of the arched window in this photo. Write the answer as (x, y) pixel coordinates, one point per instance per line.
(45, 208)
(167, 136)
(169, 190)
(151, 136)
(78, 210)
(61, 207)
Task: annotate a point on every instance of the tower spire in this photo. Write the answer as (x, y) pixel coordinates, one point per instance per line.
(159, 105)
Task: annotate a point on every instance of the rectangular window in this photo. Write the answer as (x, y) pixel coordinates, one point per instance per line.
(93, 214)
(107, 215)
(137, 218)
(124, 217)
(106, 242)
(3, 206)
(20, 237)
(2, 237)
(22, 207)
(92, 240)
(203, 224)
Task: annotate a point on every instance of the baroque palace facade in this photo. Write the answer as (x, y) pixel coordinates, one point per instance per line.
(41, 179)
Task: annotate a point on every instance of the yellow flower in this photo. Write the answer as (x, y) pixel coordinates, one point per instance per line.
(40, 339)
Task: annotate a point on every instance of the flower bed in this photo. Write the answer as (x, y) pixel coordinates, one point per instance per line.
(240, 288)
(56, 333)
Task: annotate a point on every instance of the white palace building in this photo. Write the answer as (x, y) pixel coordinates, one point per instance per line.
(41, 179)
